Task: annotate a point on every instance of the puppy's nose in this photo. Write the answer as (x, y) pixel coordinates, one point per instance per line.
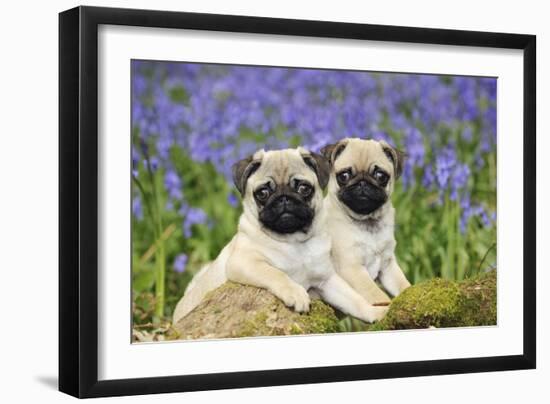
(285, 203)
(363, 185)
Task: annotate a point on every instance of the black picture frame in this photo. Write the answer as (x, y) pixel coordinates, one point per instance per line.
(78, 201)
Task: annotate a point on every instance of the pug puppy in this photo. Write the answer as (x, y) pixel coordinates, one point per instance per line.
(282, 243)
(361, 219)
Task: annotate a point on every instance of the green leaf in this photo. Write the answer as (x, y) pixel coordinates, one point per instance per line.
(144, 280)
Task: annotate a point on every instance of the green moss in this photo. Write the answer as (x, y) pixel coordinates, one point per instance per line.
(442, 303)
(261, 317)
(255, 326)
(479, 300)
(295, 329)
(249, 329)
(235, 310)
(320, 319)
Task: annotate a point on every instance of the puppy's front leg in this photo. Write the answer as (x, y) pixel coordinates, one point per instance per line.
(360, 280)
(336, 292)
(257, 272)
(393, 279)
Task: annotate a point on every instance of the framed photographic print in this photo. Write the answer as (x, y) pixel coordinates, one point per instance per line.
(251, 201)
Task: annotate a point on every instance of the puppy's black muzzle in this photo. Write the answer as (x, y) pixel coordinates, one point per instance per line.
(286, 214)
(363, 197)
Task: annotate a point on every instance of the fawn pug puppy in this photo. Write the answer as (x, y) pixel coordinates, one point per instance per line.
(361, 219)
(282, 243)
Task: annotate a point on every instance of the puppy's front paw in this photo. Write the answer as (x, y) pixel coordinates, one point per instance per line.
(376, 313)
(377, 297)
(294, 296)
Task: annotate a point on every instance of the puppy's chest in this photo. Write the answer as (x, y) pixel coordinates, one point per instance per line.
(306, 263)
(375, 249)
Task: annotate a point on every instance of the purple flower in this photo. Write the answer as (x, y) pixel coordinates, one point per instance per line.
(467, 134)
(470, 210)
(414, 145)
(135, 158)
(137, 209)
(220, 114)
(233, 200)
(460, 176)
(428, 178)
(154, 162)
(485, 218)
(444, 165)
(173, 185)
(180, 263)
(381, 135)
(192, 216)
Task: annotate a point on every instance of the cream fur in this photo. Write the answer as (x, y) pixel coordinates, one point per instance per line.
(287, 265)
(363, 246)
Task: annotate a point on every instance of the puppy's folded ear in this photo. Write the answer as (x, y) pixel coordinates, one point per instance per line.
(397, 157)
(242, 170)
(320, 165)
(332, 151)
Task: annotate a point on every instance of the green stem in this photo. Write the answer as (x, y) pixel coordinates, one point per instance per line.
(445, 254)
(461, 258)
(456, 241)
(160, 256)
(493, 170)
(146, 200)
(451, 230)
(159, 281)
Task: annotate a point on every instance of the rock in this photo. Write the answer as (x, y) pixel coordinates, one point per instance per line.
(440, 303)
(235, 310)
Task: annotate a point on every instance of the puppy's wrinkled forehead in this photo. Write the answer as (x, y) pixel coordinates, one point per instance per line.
(280, 166)
(361, 155)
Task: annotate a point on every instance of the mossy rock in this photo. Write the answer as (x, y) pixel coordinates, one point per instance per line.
(442, 303)
(235, 310)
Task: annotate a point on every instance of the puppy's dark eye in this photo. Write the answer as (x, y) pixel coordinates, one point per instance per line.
(381, 177)
(344, 177)
(262, 193)
(304, 189)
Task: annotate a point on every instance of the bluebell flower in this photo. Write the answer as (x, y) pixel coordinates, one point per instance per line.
(205, 109)
(381, 135)
(428, 178)
(444, 165)
(135, 158)
(233, 200)
(467, 134)
(173, 185)
(414, 144)
(153, 162)
(180, 263)
(192, 216)
(460, 176)
(137, 209)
